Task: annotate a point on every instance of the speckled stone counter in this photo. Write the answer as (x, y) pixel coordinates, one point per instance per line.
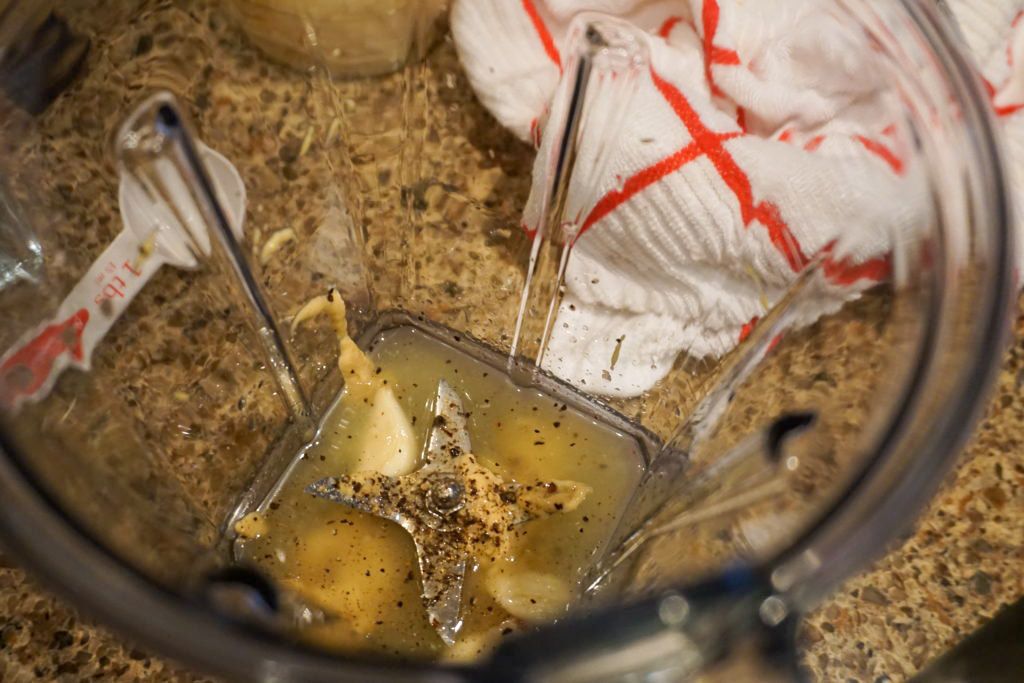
(954, 572)
(959, 567)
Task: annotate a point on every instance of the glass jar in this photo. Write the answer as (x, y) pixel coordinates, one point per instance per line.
(351, 37)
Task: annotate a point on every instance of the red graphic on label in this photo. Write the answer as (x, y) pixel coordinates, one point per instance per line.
(25, 372)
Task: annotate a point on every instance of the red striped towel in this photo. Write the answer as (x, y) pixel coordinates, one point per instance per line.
(759, 135)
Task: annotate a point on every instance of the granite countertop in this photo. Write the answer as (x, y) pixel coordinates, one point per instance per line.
(960, 565)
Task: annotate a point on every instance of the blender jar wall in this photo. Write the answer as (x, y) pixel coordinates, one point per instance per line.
(413, 204)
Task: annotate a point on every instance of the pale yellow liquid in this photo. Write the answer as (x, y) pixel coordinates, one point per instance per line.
(364, 568)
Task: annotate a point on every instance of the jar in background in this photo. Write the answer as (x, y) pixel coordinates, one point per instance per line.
(352, 37)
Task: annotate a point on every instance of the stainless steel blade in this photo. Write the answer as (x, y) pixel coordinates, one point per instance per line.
(449, 436)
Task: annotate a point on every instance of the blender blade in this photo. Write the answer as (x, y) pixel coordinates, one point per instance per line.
(456, 510)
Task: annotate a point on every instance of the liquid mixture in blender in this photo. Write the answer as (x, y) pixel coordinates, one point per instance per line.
(532, 510)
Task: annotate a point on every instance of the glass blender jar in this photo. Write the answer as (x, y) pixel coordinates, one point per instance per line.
(197, 184)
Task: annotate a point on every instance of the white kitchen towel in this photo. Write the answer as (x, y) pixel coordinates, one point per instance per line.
(760, 135)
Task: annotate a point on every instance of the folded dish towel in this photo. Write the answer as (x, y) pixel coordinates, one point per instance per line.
(759, 136)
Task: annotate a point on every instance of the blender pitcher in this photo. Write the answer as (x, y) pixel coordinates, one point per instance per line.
(213, 176)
